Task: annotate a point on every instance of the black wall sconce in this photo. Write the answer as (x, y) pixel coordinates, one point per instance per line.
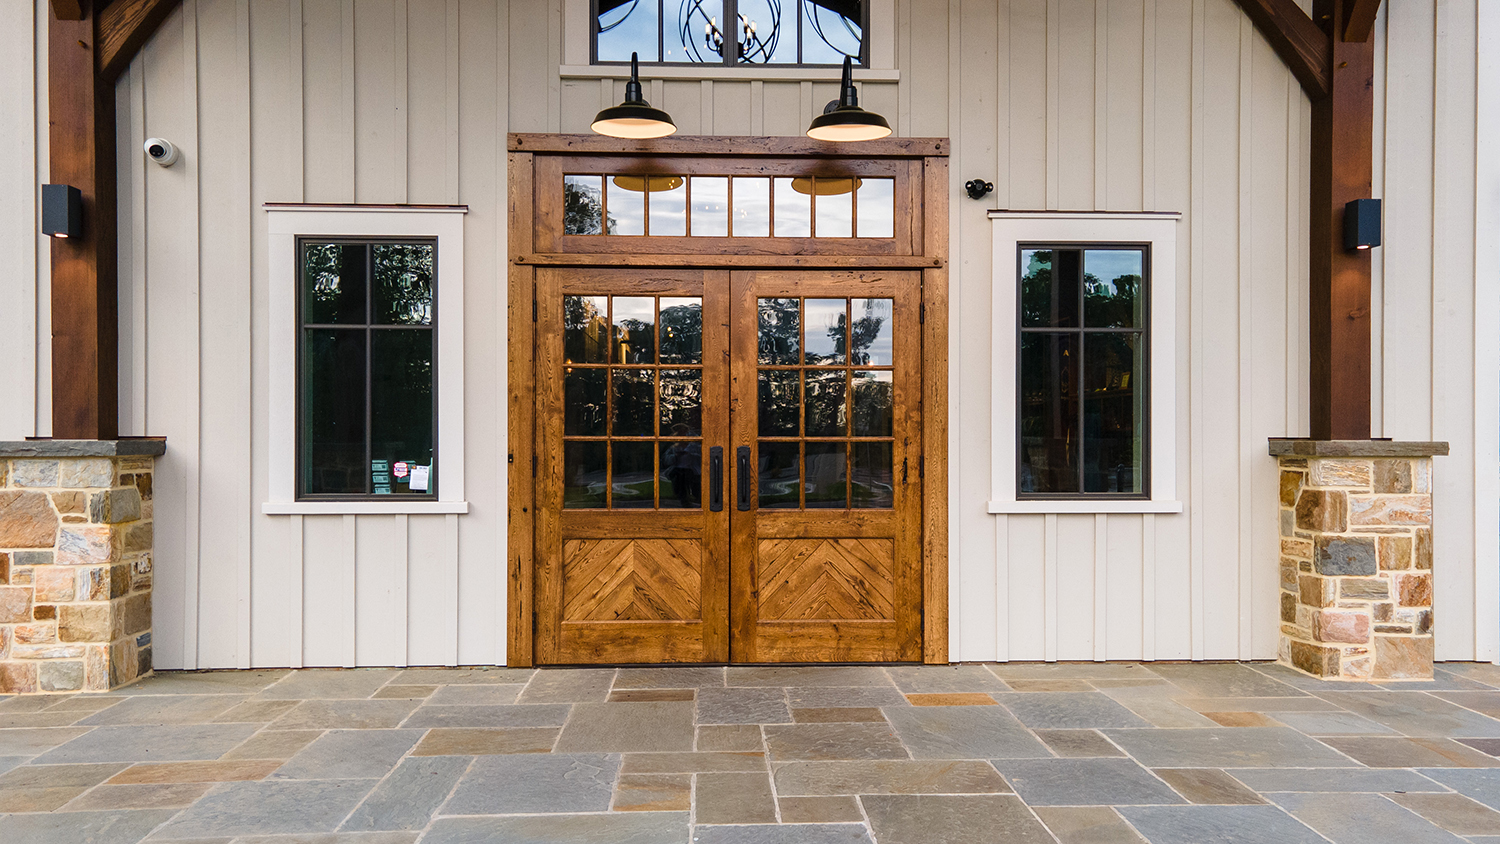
(978, 188)
(1361, 224)
(62, 211)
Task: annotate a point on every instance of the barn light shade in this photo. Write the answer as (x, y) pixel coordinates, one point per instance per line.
(62, 211)
(1361, 224)
(634, 118)
(843, 120)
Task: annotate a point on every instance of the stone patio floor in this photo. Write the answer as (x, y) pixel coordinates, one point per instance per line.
(1018, 753)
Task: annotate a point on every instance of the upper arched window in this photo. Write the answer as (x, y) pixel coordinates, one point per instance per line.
(731, 33)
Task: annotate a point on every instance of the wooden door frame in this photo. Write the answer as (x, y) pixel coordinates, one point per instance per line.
(926, 175)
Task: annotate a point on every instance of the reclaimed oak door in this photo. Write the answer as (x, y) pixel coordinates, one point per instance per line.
(633, 421)
(826, 420)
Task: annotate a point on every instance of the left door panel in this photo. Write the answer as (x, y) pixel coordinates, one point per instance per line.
(632, 411)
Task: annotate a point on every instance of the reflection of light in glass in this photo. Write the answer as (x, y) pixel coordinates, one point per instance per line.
(793, 211)
(648, 184)
(825, 185)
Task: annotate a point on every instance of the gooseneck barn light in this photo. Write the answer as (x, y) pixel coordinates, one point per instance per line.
(843, 120)
(634, 118)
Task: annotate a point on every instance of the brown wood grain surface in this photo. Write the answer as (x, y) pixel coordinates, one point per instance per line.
(124, 27)
(724, 145)
(1296, 38)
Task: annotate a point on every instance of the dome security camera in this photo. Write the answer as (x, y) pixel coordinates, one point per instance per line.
(161, 151)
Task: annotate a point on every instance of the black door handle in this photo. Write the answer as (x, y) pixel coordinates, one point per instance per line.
(716, 478)
(742, 470)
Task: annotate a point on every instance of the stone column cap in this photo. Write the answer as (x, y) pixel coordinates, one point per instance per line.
(1300, 447)
(123, 447)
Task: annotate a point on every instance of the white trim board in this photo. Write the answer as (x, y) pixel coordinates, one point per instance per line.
(285, 224)
(1009, 229)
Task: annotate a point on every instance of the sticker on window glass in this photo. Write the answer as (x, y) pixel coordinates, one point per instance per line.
(419, 478)
(380, 477)
(401, 468)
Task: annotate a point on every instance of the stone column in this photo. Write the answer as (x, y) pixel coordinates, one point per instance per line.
(75, 564)
(1356, 557)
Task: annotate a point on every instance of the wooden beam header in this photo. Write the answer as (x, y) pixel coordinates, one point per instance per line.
(1300, 42)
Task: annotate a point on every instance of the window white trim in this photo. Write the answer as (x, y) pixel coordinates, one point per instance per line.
(1012, 228)
(285, 224)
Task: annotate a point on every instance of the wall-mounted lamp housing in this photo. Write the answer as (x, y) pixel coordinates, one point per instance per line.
(843, 120)
(1361, 224)
(62, 211)
(634, 118)
(978, 188)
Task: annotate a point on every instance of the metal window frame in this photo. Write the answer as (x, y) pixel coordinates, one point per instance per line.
(732, 58)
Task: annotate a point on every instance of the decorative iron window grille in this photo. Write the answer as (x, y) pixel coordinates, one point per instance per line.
(791, 33)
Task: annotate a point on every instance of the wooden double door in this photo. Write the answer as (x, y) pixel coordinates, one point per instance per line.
(729, 466)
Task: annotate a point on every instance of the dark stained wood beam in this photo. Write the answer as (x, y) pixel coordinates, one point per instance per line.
(69, 10)
(124, 27)
(1300, 42)
(1360, 23)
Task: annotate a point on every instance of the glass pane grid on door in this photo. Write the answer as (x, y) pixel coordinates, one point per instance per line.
(632, 402)
(825, 393)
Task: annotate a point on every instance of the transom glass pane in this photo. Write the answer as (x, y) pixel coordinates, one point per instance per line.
(627, 26)
(583, 205)
(793, 210)
(812, 32)
(1112, 295)
(627, 205)
(710, 206)
(876, 201)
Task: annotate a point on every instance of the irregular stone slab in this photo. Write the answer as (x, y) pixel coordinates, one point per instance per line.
(946, 819)
(838, 809)
(345, 715)
(30, 742)
(668, 678)
(811, 779)
(188, 772)
(782, 834)
(834, 696)
(536, 784)
(329, 684)
(1078, 743)
(569, 685)
(692, 763)
(149, 744)
(463, 676)
(1087, 825)
(1332, 724)
(740, 737)
(59, 776)
(614, 828)
(1453, 812)
(1417, 714)
(237, 682)
(743, 706)
(1222, 680)
(1227, 747)
(1411, 753)
(653, 793)
(1481, 785)
(805, 676)
(350, 755)
(734, 799)
(255, 712)
(448, 742)
(1068, 710)
(279, 745)
(628, 727)
(477, 694)
(264, 808)
(802, 742)
(1070, 671)
(1208, 786)
(1084, 782)
(839, 715)
(945, 678)
(26, 520)
(487, 717)
(165, 709)
(963, 732)
(106, 797)
(951, 699)
(408, 797)
(1361, 818)
(1219, 824)
(1266, 780)
(83, 827)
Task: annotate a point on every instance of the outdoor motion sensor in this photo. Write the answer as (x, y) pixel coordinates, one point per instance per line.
(161, 151)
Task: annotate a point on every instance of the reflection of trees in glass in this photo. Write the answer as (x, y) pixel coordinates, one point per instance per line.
(866, 329)
(1036, 289)
(1109, 304)
(682, 334)
(403, 283)
(583, 208)
(636, 340)
(585, 329)
(780, 332)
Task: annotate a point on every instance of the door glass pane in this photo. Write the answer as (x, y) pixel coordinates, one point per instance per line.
(1112, 414)
(627, 207)
(626, 27)
(681, 330)
(826, 329)
(682, 474)
(834, 204)
(403, 283)
(876, 199)
(333, 283)
(1049, 287)
(778, 475)
(710, 206)
(635, 330)
(793, 210)
(401, 402)
(668, 206)
(873, 484)
(681, 402)
(583, 204)
(635, 405)
(871, 332)
(584, 405)
(779, 335)
(1112, 294)
(333, 411)
(778, 401)
(586, 329)
(874, 396)
(825, 402)
(584, 474)
(1049, 413)
(634, 481)
(827, 476)
(752, 207)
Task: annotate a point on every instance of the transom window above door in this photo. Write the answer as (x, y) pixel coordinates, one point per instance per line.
(788, 33)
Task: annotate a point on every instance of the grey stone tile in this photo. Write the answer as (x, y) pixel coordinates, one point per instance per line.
(255, 712)
(265, 808)
(692, 763)
(1084, 782)
(1070, 671)
(1298, 680)
(536, 784)
(349, 755)
(948, 819)
(1454, 812)
(806, 676)
(1078, 743)
(1227, 747)
(962, 732)
(164, 709)
(462, 742)
(1485, 703)
(280, 744)
(232, 682)
(30, 742)
(812, 779)
(1441, 681)
(150, 744)
(345, 715)
(1480, 672)
(668, 678)
(1487, 746)
(928, 679)
(329, 684)
(1221, 680)
(463, 676)
(476, 694)
(613, 828)
(1482, 785)
(1218, 824)
(82, 827)
(653, 793)
(1332, 779)
(1401, 752)
(315, 838)
(783, 834)
(1208, 786)
(47, 718)
(105, 798)
(807, 742)
(740, 737)
(1306, 703)
(569, 685)
(743, 706)
(833, 809)
(487, 717)
(1068, 710)
(1417, 714)
(833, 696)
(410, 795)
(1159, 706)
(628, 727)
(1087, 825)
(734, 799)
(60, 776)
(839, 715)
(8, 762)
(1362, 818)
(1331, 724)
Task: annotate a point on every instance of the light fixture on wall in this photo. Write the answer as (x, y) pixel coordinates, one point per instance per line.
(62, 211)
(647, 184)
(1361, 224)
(634, 118)
(843, 120)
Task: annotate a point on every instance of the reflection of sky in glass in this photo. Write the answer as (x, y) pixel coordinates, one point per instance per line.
(767, 29)
(835, 214)
(627, 209)
(793, 211)
(710, 206)
(1109, 264)
(827, 36)
(690, 19)
(825, 330)
(668, 209)
(752, 207)
(631, 28)
(877, 208)
(872, 331)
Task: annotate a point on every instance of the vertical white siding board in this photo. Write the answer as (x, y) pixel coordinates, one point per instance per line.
(376, 565)
(1002, 108)
(1099, 42)
(450, 103)
(1123, 86)
(376, 63)
(1071, 76)
(1050, 565)
(528, 69)
(879, 97)
(1121, 631)
(731, 106)
(553, 44)
(1100, 561)
(1246, 351)
(296, 581)
(1053, 88)
(1002, 588)
(22, 95)
(1377, 260)
(706, 105)
(328, 125)
(1197, 298)
(1486, 307)
(326, 548)
(1148, 107)
(451, 586)
(1031, 112)
(928, 42)
(430, 639)
(427, 105)
(783, 108)
(502, 310)
(398, 606)
(347, 595)
(41, 356)
(1026, 585)
(578, 104)
(130, 124)
(1148, 587)
(683, 100)
(1071, 585)
(758, 105)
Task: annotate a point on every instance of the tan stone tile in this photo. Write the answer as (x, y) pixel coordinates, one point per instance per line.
(838, 715)
(690, 763)
(256, 712)
(734, 799)
(178, 772)
(649, 695)
(394, 692)
(1072, 744)
(60, 776)
(1208, 786)
(888, 776)
(281, 744)
(142, 796)
(36, 799)
(1241, 719)
(465, 742)
(1087, 825)
(1391, 752)
(730, 737)
(1050, 685)
(951, 699)
(1259, 704)
(1453, 812)
(653, 793)
(834, 809)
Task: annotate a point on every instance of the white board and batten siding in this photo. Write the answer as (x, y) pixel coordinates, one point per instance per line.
(1074, 105)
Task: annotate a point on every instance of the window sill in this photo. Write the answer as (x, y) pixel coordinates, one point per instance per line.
(362, 508)
(729, 74)
(1084, 507)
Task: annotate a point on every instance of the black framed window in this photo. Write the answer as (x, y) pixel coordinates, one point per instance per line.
(786, 33)
(367, 384)
(1083, 344)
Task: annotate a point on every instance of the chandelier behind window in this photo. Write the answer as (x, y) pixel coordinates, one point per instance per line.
(765, 32)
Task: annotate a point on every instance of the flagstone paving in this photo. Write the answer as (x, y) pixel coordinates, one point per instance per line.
(1245, 753)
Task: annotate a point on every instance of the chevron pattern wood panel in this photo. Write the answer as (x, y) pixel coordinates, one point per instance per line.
(827, 579)
(632, 579)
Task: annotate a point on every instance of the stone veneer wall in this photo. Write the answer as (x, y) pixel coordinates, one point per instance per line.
(75, 565)
(1356, 559)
